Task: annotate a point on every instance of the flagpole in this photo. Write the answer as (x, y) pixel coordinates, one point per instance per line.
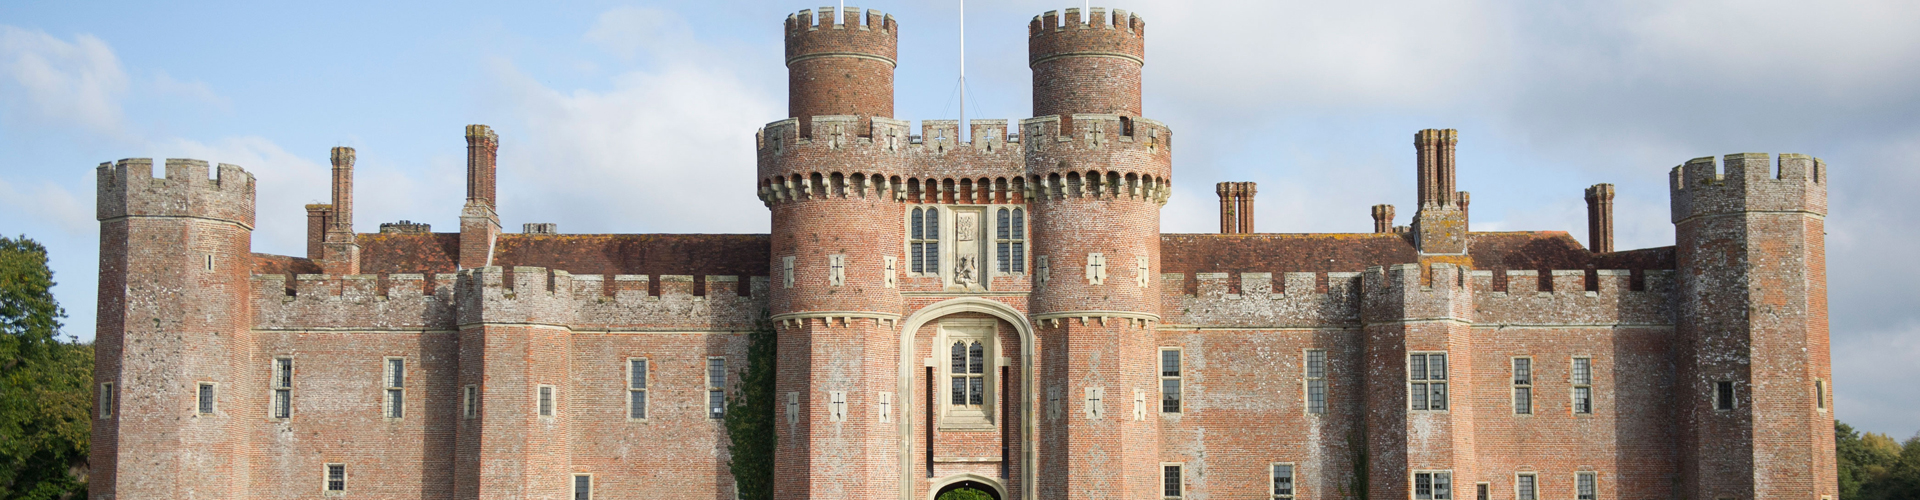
(959, 136)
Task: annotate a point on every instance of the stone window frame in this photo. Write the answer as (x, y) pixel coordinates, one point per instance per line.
(1592, 485)
(1173, 476)
(1726, 396)
(1579, 403)
(470, 402)
(837, 270)
(917, 248)
(1175, 380)
(637, 387)
(546, 401)
(716, 408)
(327, 480)
(280, 388)
(886, 407)
(573, 489)
(1522, 405)
(836, 406)
(206, 399)
(1293, 485)
(1820, 395)
(1482, 491)
(393, 388)
(1010, 233)
(1097, 268)
(209, 262)
(1428, 381)
(786, 266)
(1532, 492)
(1439, 484)
(891, 265)
(1310, 382)
(105, 401)
(986, 331)
(793, 407)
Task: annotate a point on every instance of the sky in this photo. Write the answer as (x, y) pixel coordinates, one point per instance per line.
(638, 117)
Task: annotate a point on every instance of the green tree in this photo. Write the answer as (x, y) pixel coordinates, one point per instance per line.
(749, 419)
(965, 494)
(44, 385)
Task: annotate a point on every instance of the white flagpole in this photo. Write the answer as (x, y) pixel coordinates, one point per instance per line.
(963, 72)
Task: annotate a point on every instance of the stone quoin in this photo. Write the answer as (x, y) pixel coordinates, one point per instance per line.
(1001, 313)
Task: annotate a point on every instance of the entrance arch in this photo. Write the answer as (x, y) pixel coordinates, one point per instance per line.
(908, 328)
(950, 483)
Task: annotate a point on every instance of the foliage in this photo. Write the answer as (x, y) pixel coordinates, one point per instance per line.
(45, 401)
(1873, 467)
(749, 419)
(964, 494)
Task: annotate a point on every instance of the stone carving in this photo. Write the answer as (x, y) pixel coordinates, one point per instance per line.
(963, 271)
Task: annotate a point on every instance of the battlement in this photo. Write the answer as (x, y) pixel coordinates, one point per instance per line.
(1131, 153)
(1099, 34)
(128, 188)
(1572, 297)
(1301, 300)
(494, 294)
(897, 165)
(1748, 182)
(842, 35)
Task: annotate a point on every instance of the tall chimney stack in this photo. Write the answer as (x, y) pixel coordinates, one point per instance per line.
(340, 250)
(1236, 207)
(1228, 223)
(1246, 207)
(1600, 218)
(483, 149)
(479, 220)
(1383, 218)
(342, 217)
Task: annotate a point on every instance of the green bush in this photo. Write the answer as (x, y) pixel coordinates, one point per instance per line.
(964, 494)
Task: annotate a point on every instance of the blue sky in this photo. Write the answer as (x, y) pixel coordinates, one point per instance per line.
(639, 117)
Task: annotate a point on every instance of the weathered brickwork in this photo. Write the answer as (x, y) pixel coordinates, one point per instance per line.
(996, 309)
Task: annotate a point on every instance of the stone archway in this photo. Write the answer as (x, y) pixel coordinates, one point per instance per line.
(909, 327)
(976, 482)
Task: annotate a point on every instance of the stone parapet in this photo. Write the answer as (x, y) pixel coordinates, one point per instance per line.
(496, 295)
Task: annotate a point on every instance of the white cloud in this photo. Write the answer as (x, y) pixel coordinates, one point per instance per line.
(284, 184)
(630, 32)
(193, 90)
(51, 204)
(44, 79)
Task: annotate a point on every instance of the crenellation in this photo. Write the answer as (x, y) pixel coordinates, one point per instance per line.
(1748, 182)
(128, 188)
(1611, 300)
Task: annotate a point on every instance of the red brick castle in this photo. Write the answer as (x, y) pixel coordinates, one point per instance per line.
(1000, 312)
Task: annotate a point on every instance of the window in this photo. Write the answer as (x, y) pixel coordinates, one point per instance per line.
(1282, 481)
(837, 270)
(1316, 381)
(470, 402)
(1583, 385)
(1010, 240)
(1096, 268)
(106, 400)
(1170, 381)
(209, 262)
(1584, 486)
(1523, 386)
(583, 487)
(336, 477)
(892, 267)
(1480, 492)
(969, 368)
(886, 407)
(1524, 487)
(206, 398)
(1142, 273)
(1170, 487)
(546, 400)
(282, 387)
(637, 388)
(836, 406)
(716, 387)
(396, 388)
(786, 269)
(1723, 395)
(1427, 380)
(923, 241)
(1432, 485)
(1820, 394)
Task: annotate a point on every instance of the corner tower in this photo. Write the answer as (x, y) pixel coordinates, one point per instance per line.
(1755, 403)
(174, 334)
(831, 176)
(841, 66)
(1101, 174)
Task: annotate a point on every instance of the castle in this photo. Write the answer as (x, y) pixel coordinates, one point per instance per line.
(1001, 313)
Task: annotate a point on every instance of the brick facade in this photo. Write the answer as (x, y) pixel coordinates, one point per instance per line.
(993, 313)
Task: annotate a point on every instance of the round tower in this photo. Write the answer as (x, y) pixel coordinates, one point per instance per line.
(830, 176)
(841, 66)
(1086, 64)
(174, 333)
(1101, 174)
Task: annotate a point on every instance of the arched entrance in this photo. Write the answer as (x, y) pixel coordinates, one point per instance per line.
(1024, 413)
(967, 481)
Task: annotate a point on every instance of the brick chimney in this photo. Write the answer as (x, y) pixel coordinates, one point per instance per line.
(340, 250)
(1236, 206)
(1383, 218)
(317, 225)
(1440, 224)
(1600, 218)
(479, 223)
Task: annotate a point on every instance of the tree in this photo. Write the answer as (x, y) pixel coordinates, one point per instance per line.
(965, 494)
(45, 403)
(1874, 467)
(749, 419)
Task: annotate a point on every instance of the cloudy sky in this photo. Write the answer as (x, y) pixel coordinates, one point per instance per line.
(639, 117)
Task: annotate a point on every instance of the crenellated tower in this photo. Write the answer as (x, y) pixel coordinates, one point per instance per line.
(1101, 174)
(1750, 241)
(831, 175)
(840, 65)
(174, 338)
